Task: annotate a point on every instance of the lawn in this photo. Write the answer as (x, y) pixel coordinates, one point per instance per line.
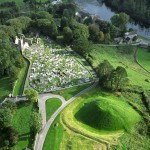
(6, 86)
(69, 93)
(52, 105)
(63, 138)
(68, 115)
(106, 114)
(21, 122)
(54, 136)
(136, 74)
(19, 84)
(143, 57)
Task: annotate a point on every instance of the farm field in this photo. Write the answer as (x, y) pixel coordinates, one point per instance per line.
(52, 105)
(136, 74)
(143, 57)
(21, 122)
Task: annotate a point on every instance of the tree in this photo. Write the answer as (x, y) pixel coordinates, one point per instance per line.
(19, 24)
(36, 122)
(64, 22)
(42, 15)
(46, 27)
(88, 20)
(12, 135)
(107, 37)
(10, 105)
(82, 46)
(8, 30)
(120, 20)
(119, 78)
(31, 95)
(5, 118)
(68, 13)
(94, 32)
(104, 71)
(68, 36)
(101, 36)
(79, 30)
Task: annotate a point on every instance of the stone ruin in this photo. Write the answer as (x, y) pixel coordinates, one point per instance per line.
(22, 42)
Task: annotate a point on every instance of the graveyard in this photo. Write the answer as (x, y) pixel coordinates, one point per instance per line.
(53, 68)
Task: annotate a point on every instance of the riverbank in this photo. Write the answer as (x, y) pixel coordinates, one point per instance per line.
(139, 15)
(105, 13)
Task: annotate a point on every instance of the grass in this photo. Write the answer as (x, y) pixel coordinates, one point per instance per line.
(100, 135)
(19, 85)
(63, 138)
(6, 86)
(143, 56)
(54, 136)
(21, 122)
(69, 93)
(136, 74)
(137, 140)
(51, 106)
(107, 114)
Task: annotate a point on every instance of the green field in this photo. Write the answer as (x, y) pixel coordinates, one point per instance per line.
(54, 136)
(84, 129)
(19, 85)
(69, 93)
(143, 57)
(136, 74)
(52, 105)
(106, 114)
(21, 122)
(6, 86)
(63, 138)
(73, 134)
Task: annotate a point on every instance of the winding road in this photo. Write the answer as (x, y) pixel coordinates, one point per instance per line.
(42, 99)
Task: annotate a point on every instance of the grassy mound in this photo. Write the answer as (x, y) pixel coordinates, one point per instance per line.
(107, 114)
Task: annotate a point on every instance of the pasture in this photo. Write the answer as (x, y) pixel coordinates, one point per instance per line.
(136, 74)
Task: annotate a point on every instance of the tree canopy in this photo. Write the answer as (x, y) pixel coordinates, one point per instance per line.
(31, 94)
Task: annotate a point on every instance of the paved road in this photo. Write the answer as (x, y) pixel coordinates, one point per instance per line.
(42, 135)
(42, 99)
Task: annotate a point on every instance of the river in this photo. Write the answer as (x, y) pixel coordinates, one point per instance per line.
(95, 8)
